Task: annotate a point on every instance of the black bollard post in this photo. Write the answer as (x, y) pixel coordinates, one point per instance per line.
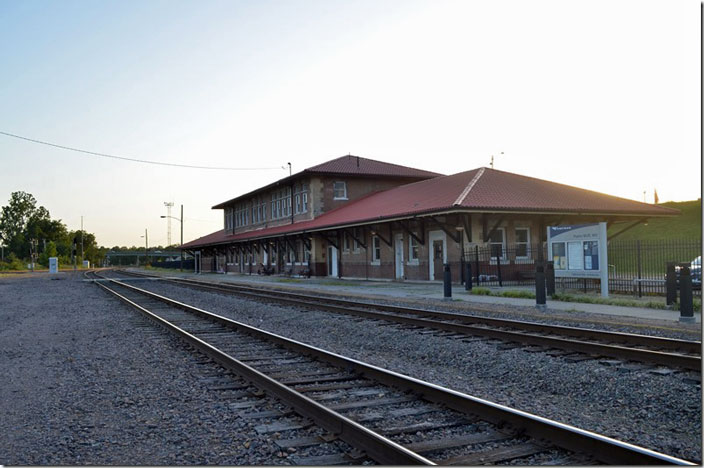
(670, 284)
(686, 306)
(447, 282)
(540, 286)
(550, 278)
(468, 276)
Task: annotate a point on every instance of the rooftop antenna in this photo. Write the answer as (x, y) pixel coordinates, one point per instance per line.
(492, 160)
(168, 206)
(289, 169)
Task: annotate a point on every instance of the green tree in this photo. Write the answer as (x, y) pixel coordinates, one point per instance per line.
(14, 219)
(50, 251)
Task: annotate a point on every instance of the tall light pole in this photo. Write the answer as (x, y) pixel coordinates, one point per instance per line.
(146, 247)
(181, 221)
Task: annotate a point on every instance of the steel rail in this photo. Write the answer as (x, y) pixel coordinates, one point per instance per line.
(603, 448)
(376, 446)
(694, 347)
(689, 362)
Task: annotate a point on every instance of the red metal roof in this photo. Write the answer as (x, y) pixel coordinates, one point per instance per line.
(345, 165)
(482, 189)
(356, 165)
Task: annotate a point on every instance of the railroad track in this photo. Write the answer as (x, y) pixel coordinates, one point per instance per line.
(387, 417)
(590, 343)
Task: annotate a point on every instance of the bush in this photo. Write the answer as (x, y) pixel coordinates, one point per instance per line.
(12, 263)
(519, 294)
(481, 291)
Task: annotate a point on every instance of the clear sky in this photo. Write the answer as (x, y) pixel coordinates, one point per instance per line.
(603, 95)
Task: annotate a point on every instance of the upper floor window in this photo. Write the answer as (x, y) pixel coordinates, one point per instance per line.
(300, 192)
(241, 215)
(339, 190)
(229, 219)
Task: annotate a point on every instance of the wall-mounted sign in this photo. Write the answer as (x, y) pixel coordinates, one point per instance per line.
(579, 251)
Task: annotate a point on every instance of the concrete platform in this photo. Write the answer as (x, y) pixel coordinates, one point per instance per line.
(433, 291)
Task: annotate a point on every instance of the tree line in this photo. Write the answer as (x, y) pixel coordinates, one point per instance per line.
(28, 234)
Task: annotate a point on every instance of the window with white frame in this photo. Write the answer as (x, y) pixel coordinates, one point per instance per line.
(281, 203)
(376, 250)
(355, 244)
(412, 250)
(345, 242)
(522, 242)
(229, 219)
(306, 254)
(299, 250)
(339, 190)
(300, 192)
(241, 215)
(497, 243)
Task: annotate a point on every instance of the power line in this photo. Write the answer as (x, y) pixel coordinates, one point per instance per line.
(138, 160)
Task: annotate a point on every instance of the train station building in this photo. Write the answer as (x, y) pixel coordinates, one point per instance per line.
(355, 217)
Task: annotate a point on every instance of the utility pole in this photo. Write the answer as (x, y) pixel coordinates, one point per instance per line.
(81, 240)
(181, 237)
(168, 206)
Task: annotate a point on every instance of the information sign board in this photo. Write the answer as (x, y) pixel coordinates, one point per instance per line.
(579, 251)
(53, 264)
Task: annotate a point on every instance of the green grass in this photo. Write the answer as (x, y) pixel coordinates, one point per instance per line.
(697, 303)
(686, 226)
(522, 294)
(584, 299)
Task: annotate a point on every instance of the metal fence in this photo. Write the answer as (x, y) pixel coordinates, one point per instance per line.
(635, 267)
(187, 264)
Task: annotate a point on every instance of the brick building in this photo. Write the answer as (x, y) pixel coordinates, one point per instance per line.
(359, 218)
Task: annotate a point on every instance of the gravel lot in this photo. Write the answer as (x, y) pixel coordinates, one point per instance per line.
(86, 381)
(660, 412)
(94, 385)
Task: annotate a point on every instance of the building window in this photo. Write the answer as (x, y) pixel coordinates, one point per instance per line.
(304, 202)
(522, 243)
(376, 250)
(355, 244)
(299, 251)
(412, 250)
(346, 242)
(497, 243)
(339, 191)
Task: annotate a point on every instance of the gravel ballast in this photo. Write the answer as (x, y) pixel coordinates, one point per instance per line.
(627, 402)
(95, 384)
(87, 381)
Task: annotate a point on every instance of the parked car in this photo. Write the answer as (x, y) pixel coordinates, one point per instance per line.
(695, 271)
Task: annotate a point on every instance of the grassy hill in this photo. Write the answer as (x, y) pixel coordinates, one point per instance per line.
(686, 226)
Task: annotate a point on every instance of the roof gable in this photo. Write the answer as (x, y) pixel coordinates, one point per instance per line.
(345, 166)
(358, 166)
